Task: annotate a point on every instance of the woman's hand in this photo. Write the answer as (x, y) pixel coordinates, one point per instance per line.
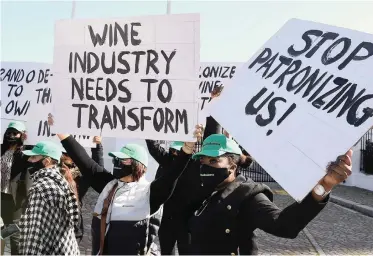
(51, 122)
(97, 140)
(50, 119)
(188, 147)
(337, 172)
(217, 91)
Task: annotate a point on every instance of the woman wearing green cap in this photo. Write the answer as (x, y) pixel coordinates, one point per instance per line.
(13, 174)
(224, 223)
(51, 215)
(123, 220)
(173, 227)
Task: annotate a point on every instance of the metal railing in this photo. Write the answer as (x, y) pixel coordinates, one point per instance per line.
(366, 156)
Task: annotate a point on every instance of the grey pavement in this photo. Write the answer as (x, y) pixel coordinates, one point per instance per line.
(336, 230)
(358, 195)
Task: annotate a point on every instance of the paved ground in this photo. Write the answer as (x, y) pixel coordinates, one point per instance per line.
(336, 231)
(358, 195)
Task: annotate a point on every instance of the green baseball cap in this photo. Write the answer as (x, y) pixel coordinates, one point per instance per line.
(133, 151)
(177, 145)
(63, 150)
(19, 126)
(45, 148)
(216, 145)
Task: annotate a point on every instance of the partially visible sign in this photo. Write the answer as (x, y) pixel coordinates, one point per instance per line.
(26, 95)
(44, 133)
(25, 89)
(213, 75)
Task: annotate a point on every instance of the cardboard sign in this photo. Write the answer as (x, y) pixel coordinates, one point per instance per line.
(212, 75)
(43, 132)
(25, 89)
(27, 96)
(300, 101)
(133, 77)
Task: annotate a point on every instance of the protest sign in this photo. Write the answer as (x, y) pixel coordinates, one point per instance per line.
(301, 100)
(133, 77)
(27, 96)
(212, 75)
(39, 131)
(25, 89)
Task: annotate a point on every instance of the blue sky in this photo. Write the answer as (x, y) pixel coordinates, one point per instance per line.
(230, 31)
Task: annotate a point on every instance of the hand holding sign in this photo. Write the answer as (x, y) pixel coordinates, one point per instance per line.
(198, 133)
(97, 139)
(50, 119)
(338, 171)
(303, 91)
(217, 91)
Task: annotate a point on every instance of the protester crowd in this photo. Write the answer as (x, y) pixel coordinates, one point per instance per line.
(208, 206)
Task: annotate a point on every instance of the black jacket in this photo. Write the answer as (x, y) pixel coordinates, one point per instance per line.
(163, 158)
(85, 181)
(224, 223)
(160, 189)
(19, 167)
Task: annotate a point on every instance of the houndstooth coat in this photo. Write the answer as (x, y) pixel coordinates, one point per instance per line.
(50, 217)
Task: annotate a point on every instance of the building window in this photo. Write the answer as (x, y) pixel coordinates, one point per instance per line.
(366, 160)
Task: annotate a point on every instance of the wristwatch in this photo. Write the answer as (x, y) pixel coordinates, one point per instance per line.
(320, 190)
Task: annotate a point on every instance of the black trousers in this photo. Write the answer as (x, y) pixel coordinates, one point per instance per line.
(174, 231)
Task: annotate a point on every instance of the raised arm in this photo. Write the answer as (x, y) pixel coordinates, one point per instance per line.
(86, 165)
(98, 151)
(158, 153)
(294, 218)
(162, 188)
(79, 155)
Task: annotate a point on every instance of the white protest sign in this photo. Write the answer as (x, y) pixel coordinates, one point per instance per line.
(129, 77)
(213, 74)
(300, 101)
(27, 96)
(43, 132)
(25, 88)
(37, 131)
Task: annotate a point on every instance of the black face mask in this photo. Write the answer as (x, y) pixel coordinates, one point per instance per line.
(212, 177)
(11, 138)
(120, 170)
(36, 166)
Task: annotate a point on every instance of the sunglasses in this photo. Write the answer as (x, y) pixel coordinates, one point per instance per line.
(117, 161)
(70, 166)
(12, 133)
